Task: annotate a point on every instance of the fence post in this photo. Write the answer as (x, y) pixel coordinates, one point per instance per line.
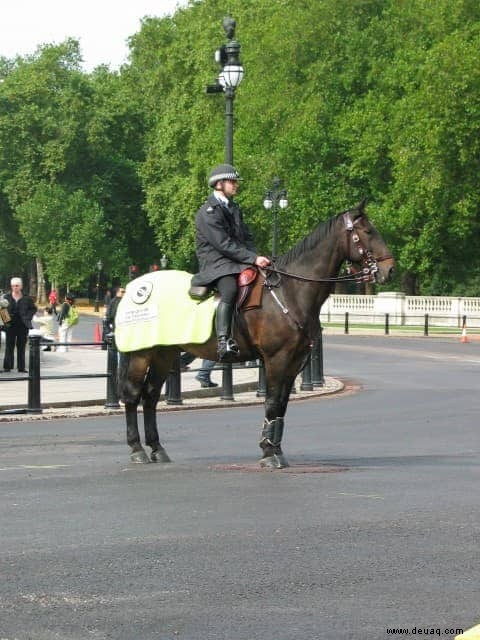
(173, 388)
(105, 332)
(306, 384)
(346, 322)
(34, 403)
(262, 387)
(387, 324)
(317, 361)
(227, 382)
(111, 401)
(425, 326)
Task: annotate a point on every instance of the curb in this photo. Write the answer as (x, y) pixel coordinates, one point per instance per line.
(203, 399)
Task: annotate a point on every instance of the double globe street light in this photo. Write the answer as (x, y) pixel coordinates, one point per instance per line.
(97, 296)
(275, 198)
(230, 76)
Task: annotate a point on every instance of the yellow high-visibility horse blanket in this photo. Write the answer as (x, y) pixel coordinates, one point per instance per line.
(156, 309)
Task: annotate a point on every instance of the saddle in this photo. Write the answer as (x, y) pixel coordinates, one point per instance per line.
(250, 290)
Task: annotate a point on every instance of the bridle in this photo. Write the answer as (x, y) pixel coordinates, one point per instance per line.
(368, 261)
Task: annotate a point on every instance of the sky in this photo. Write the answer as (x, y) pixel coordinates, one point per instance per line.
(101, 26)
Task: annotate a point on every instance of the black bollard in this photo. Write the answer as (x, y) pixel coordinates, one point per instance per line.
(425, 326)
(387, 324)
(318, 379)
(307, 384)
(346, 322)
(227, 382)
(174, 383)
(262, 387)
(111, 401)
(34, 403)
(105, 333)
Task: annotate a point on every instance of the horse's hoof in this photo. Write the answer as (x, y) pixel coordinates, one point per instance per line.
(139, 457)
(276, 461)
(160, 455)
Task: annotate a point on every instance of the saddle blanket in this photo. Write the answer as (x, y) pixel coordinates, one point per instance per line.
(157, 310)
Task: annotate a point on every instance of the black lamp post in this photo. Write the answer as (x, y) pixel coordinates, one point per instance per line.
(230, 76)
(274, 199)
(97, 296)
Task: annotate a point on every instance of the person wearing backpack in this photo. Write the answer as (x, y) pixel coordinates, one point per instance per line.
(67, 319)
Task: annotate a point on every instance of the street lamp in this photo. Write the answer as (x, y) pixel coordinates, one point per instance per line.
(275, 198)
(97, 297)
(230, 76)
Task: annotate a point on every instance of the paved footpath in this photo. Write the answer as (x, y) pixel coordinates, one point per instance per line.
(86, 396)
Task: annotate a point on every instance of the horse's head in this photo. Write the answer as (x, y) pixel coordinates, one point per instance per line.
(366, 247)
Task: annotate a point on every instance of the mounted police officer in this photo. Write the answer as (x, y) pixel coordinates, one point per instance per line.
(224, 247)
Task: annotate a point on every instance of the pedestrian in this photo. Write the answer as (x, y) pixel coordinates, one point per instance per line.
(21, 310)
(107, 298)
(204, 373)
(4, 315)
(112, 312)
(224, 246)
(47, 326)
(53, 299)
(67, 319)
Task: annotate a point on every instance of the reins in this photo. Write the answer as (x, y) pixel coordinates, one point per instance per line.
(349, 277)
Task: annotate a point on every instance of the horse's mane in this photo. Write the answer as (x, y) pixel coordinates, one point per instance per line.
(319, 233)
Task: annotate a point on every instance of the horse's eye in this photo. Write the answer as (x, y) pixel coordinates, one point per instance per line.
(368, 227)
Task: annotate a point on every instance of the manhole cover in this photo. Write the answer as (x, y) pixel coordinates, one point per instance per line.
(293, 469)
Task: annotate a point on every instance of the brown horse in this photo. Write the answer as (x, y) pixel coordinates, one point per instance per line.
(281, 332)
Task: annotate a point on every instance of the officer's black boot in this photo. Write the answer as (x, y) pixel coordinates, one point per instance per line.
(227, 348)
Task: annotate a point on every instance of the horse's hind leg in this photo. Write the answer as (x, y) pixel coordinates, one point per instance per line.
(160, 367)
(131, 375)
(150, 396)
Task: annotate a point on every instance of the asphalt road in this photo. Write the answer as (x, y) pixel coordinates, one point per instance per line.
(376, 529)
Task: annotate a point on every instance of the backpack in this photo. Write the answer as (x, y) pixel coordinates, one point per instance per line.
(72, 316)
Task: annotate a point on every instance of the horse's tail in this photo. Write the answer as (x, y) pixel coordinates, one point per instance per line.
(122, 373)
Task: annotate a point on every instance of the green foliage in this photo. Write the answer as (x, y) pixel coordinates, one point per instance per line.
(71, 245)
(341, 99)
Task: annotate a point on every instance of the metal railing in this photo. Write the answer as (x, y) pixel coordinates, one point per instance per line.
(312, 375)
(425, 324)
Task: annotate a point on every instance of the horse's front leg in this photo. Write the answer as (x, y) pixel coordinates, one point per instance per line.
(278, 393)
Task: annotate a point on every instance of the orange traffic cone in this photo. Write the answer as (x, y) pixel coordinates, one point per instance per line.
(97, 338)
(464, 333)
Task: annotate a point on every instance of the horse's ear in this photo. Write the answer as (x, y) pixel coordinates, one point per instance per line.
(361, 206)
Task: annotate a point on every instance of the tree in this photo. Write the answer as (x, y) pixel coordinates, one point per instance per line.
(71, 246)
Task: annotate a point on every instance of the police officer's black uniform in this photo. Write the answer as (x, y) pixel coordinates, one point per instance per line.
(224, 247)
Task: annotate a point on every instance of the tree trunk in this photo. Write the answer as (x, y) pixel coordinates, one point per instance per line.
(41, 293)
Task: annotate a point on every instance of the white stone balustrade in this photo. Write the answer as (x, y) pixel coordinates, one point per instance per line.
(402, 310)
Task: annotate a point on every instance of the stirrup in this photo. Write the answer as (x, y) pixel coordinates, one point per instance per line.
(227, 349)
